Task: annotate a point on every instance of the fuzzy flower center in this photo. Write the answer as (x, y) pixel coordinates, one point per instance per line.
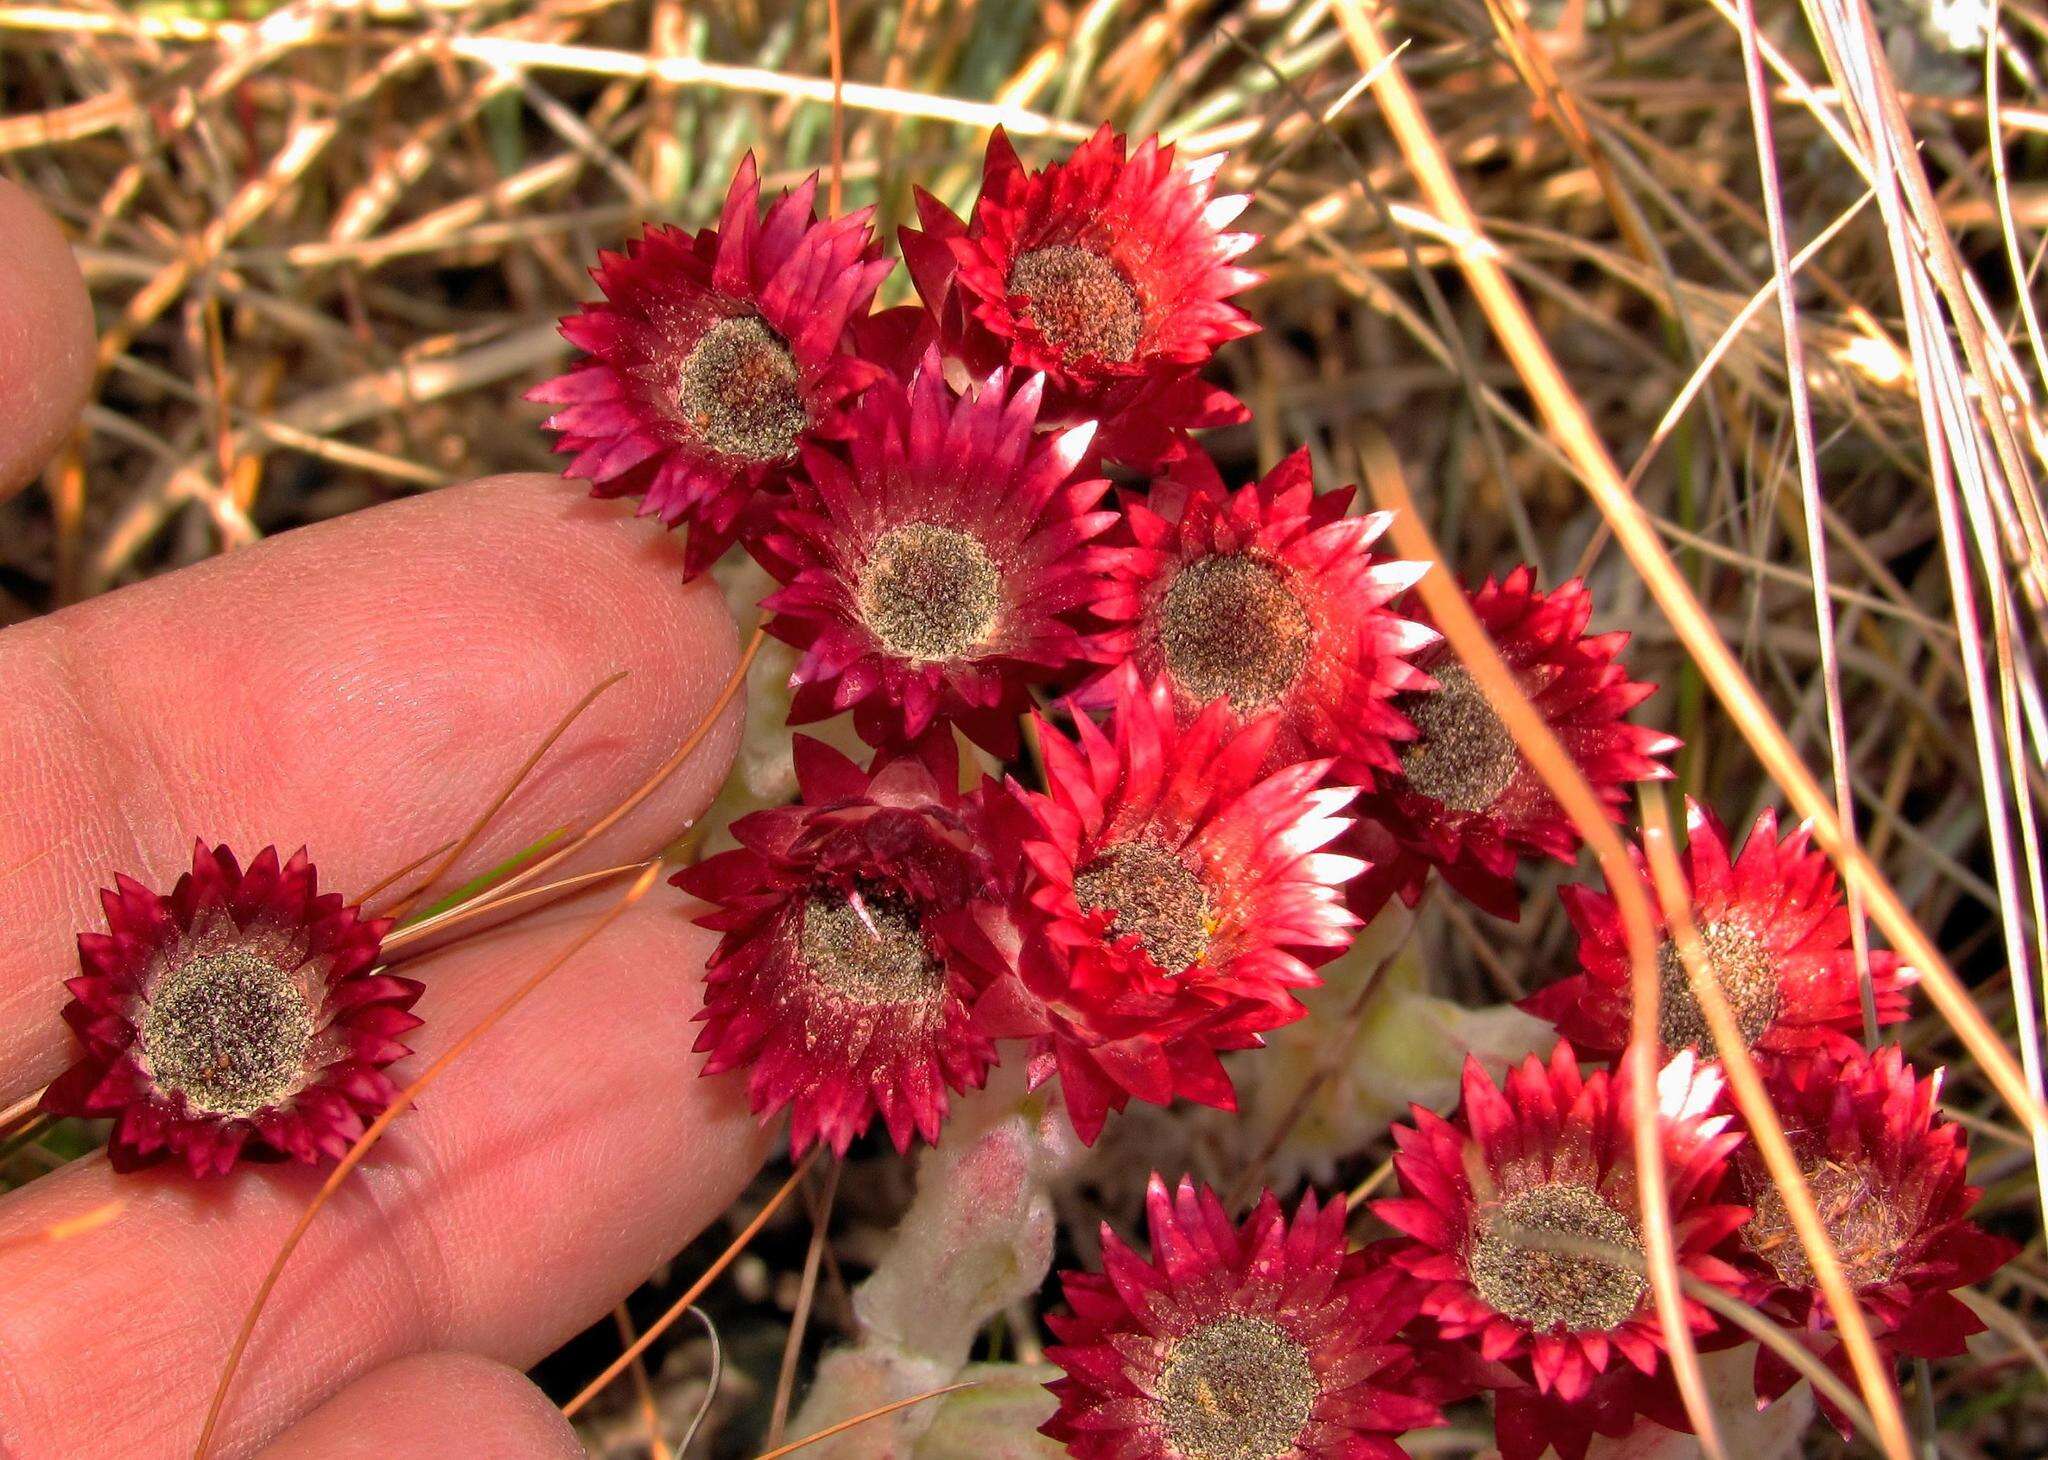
(1865, 1228)
(1231, 627)
(229, 1031)
(929, 592)
(1080, 301)
(868, 949)
(1238, 1388)
(740, 391)
(1741, 964)
(1152, 895)
(1521, 1264)
(1463, 755)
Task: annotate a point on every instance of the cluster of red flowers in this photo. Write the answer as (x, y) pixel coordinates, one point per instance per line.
(931, 487)
(990, 502)
(1518, 1270)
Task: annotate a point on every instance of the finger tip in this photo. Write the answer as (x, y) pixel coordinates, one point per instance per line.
(671, 637)
(432, 1404)
(45, 319)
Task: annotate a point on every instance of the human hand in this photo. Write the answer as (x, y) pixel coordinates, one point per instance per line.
(364, 687)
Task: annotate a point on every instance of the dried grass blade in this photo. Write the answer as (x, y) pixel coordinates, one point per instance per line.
(1561, 776)
(1872, 1373)
(695, 1291)
(1573, 429)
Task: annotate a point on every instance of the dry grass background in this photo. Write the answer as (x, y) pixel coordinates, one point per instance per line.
(328, 242)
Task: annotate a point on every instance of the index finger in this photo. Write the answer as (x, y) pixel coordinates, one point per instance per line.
(363, 687)
(45, 338)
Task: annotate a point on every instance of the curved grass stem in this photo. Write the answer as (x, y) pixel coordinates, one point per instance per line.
(792, 1348)
(1534, 738)
(860, 1419)
(1572, 429)
(696, 1290)
(468, 839)
(1768, 1133)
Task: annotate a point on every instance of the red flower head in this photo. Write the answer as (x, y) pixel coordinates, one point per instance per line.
(238, 1016)
(1266, 1339)
(1773, 928)
(1549, 1159)
(1177, 898)
(1464, 800)
(713, 358)
(1106, 272)
(938, 570)
(1888, 1176)
(856, 927)
(1271, 598)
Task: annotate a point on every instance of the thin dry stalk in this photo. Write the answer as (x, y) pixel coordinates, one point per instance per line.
(1744, 1082)
(69, 1227)
(695, 1291)
(1712, 357)
(403, 906)
(390, 880)
(19, 1113)
(490, 903)
(807, 1288)
(837, 43)
(860, 1419)
(1957, 460)
(689, 71)
(1379, 1177)
(1460, 626)
(1574, 433)
(734, 683)
(1801, 412)
(643, 1390)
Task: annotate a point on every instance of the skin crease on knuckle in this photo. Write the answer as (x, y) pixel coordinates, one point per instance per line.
(369, 684)
(456, 1234)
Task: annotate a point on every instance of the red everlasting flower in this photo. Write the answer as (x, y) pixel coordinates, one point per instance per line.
(940, 567)
(1888, 1177)
(1464, 800)
(1177, 897)
(712, 358)
(1106, 272)
(1271, 598)
(238, 1016)
(1489, 1202)
(1774, 931)
(856, 927)
(1266, 1339)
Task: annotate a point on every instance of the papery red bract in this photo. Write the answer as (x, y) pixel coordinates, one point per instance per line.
(856, 928)
(1270, 596)
(1176, 896)
(1889, 1177)
(942, 566)
(1490, 808)
(239, 1015)
(1552, 1152)
(1107, 272)
(1773, 925)
(713, 356)
(1266, 1337)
